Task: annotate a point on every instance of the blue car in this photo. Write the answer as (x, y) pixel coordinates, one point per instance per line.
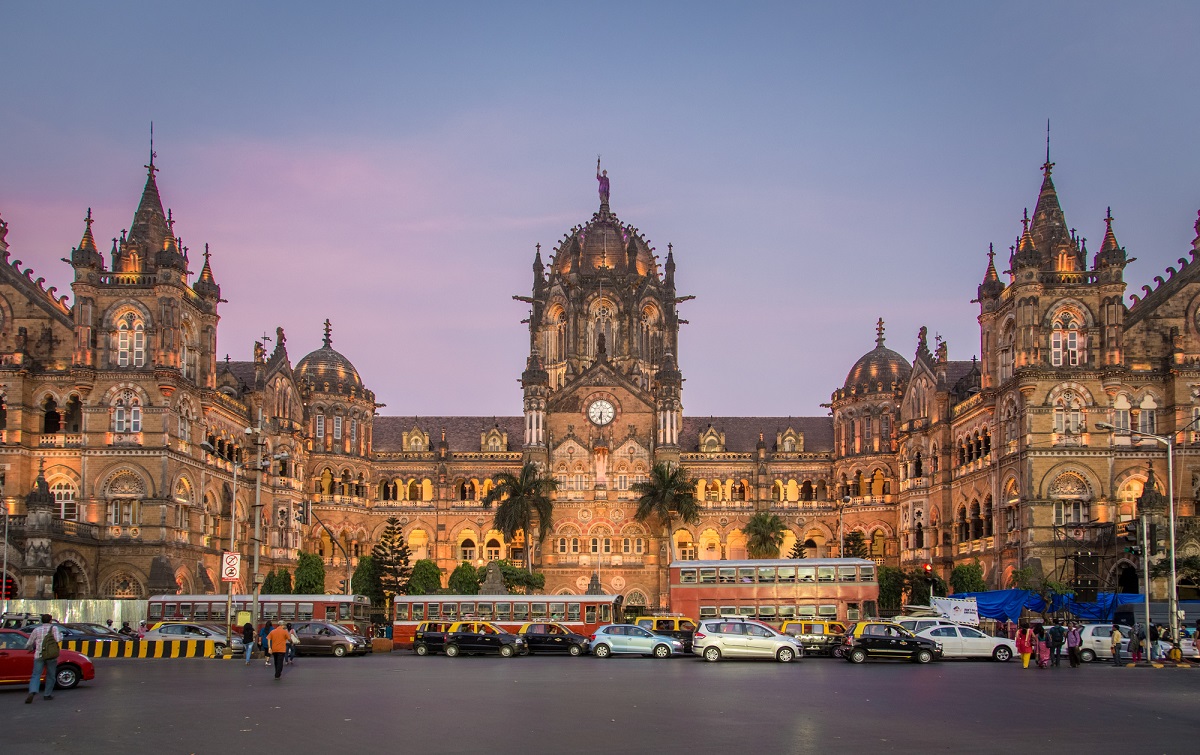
(630, 638)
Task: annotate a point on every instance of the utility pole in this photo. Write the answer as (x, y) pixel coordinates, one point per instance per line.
(258, 441)
(1146, 581)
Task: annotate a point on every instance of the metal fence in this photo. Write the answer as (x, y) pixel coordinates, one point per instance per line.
(92, 611)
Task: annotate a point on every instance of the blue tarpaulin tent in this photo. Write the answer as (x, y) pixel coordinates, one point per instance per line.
(1006, 605)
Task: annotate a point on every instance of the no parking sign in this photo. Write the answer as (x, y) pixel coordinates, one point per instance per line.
(231, 567)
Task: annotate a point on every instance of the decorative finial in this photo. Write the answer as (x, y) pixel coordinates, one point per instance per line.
(41, 466)
(228, 359)
(539, 247)
(153, 154)
(328, 334)
(170, 221)
(991, 255)
(1108, 219)
(879, 334)
(207, 253)
(88, 219)
(1025, 220)
(1047, 166)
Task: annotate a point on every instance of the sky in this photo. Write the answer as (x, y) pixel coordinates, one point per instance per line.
(391, 166)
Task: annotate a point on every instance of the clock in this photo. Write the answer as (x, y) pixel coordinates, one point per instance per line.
(601, 412)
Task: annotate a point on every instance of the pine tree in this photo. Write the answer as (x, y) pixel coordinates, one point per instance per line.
(391, 557)
(798, 550)
(310, 574)
(854, 546)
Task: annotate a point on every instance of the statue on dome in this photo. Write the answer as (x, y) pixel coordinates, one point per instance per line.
(602, 177)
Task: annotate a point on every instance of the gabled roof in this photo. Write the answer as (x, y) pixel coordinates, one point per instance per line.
(741, 433)
(462, 433)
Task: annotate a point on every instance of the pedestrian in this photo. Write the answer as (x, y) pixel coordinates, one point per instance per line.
(1042, 646)
(293, 641)
(1058, 635)
(1074, 640)
(127, 630)
(278, 639)
(1135, 643)
(1012, 630)
(262, 641)
(109, 623)
(1152, 649)
(1025, 644)
(248, 640)
(46, 642)
(1114, 643)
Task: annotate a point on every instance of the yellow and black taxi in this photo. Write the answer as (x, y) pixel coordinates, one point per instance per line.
(430, 637)
(482, 638)
(817, 636)
(680, 627)
(547, 637)
(883, 639)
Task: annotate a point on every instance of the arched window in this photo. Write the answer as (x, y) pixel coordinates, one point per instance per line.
(51, 418)
(1068, 414)
(466, 550)
(962, 525)
(416, 443)
(1148, 416)
(1007, 338)
(1064, 342)
(491, 551)
(131, 342)
(127, 413)
(186, 354)
(64, 500)
(122, 585)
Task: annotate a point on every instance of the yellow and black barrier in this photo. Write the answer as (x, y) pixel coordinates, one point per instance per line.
(144, 648)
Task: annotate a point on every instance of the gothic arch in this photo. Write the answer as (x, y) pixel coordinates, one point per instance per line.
(79, 566)
(1070, 481)
(1068, 305)
(126, 480)
(1080, 390)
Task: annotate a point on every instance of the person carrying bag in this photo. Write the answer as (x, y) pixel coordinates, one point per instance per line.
(46, 643)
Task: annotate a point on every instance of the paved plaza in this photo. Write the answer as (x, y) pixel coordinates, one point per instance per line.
(537, 704)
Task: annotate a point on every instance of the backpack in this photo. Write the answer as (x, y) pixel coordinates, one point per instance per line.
(1057, 634)
(50, 648)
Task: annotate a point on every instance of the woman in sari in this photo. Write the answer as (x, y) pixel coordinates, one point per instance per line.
(1025, 643)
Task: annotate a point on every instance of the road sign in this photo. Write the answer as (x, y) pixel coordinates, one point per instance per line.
(231, 567)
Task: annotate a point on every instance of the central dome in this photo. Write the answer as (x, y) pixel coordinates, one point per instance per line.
(879, 366)
(605, 243)
(326, 369)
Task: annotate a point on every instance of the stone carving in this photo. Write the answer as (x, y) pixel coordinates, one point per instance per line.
(1070, 485)
(126, 484)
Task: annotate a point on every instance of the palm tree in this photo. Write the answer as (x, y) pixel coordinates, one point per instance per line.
(667, 494)
(523, 498)
(764, 535)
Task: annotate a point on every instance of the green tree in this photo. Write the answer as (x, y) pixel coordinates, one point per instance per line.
(853, 545)
(391, 557)
(764, 535)
(523, 498)
(798, 550)
(891, 588)
(668, 494)
(426, 578)
(283, 581)
(968, 578)
(517, 580)
(268, 585)
(366, 581)
(310, 574)
(464, 580)
(918, 584)
(1030, 578)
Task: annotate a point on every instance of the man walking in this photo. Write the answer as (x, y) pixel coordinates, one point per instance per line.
(1074, 640)
(46, 641)
(1058, 635)
(278, 639)
(248, 640)
(1152, 651)
(1114, 640)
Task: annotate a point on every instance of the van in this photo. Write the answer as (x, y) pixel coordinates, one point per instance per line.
(680, 627)
(823, 637)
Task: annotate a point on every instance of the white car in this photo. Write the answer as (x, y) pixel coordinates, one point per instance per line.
(1094, 642)
(960, 641)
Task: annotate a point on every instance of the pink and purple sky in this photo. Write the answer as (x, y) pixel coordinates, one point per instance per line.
(391, 166)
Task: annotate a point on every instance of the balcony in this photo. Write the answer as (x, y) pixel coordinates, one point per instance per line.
(75, 529)
(60, 440)
(129, 279)
(914, 483)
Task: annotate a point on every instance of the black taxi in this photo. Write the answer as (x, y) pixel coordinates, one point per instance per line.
(883, 639)
(430, 637)
(482, 638)
(549, 637)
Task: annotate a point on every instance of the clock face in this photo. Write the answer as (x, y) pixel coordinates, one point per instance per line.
(601, 412)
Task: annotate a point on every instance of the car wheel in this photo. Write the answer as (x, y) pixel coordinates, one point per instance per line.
(452, 651)
(857, 655)
(339, 650)
(712, 654)
(602, 651)
(67, 677)
(1001, 654)
(923, 656)
(837, 652)
(506, 651)
(662, 651)
(1087, 656)
(421, 650)
(785, 655)
(573, 650)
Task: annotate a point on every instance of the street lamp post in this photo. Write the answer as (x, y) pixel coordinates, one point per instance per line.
(208, 448)
(841, 539)
(258, 441)
(1172, 593)
(4, 574)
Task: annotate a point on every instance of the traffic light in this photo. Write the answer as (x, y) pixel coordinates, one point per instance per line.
(342, 584)
(1152, 546)
(1131, 537)
(927, 570)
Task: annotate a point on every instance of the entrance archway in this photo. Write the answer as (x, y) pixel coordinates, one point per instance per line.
(69, 581)
(1127, 580)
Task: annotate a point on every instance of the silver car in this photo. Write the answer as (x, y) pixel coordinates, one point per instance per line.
(185, 631)
(740, 638)
(630, 638)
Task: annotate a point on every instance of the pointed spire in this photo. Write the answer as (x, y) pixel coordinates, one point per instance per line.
(88, 242)
(992, 286)
(328, 339)
(879, 333)
(206, 284)
(1049, 226)
(149, 229)
(1111, 254)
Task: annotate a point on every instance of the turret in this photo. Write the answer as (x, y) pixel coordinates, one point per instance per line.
(992, 287)
(206, 285)
(86, 257)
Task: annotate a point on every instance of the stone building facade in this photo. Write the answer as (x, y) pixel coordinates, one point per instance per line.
(129, 447)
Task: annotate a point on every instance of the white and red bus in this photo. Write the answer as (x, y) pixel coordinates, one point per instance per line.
(580, 613)
(349, 610)
(776, 590)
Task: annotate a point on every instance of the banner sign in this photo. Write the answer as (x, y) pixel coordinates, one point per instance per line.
(231, 567)
(957, 610)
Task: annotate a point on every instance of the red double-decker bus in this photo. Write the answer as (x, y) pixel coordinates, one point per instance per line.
(350, 610)
(776, 590)
(579, 613)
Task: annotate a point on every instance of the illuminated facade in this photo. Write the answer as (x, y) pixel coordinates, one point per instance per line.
(113, 393)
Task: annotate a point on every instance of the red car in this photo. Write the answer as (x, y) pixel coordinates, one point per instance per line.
(16, 663)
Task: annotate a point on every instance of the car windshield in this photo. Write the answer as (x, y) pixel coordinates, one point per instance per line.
(341, 630)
